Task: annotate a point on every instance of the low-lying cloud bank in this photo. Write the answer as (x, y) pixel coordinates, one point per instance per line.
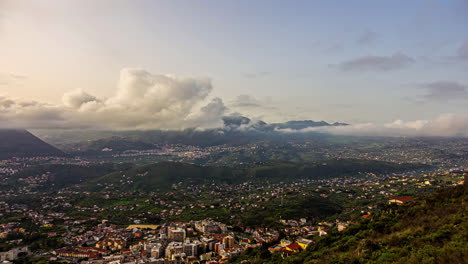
(145, 101)
(443, 126)
(142, 101)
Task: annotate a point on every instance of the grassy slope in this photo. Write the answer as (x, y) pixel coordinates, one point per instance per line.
(432, 229)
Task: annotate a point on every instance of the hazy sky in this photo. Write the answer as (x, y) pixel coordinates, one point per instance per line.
(351, 61)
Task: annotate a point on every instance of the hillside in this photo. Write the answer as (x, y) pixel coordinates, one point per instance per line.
(329, 168)
(162, 175)
(112, 144)
(58, 176)
(431, 229)
(21, 143)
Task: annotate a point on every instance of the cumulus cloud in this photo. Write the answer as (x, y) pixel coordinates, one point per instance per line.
(444, 91)
(142, 101)
(15, 113)
(377, 63)
(78, 98)
(443, 126)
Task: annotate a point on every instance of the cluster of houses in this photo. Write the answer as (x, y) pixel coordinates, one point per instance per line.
(287, 247)
(172, 243)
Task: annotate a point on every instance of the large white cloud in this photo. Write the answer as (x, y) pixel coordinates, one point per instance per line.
(142, 101)
(448, 125)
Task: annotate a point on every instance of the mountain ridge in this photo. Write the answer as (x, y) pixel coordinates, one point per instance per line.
(236, 130)
(22, 143)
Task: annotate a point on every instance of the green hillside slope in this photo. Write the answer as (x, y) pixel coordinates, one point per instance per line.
(162, 175)
(64, 175)
(432, 229)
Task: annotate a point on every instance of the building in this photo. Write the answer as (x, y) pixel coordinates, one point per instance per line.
(342, 226)
(294, 247)
(304, 243)
(218, 247)
(174, 249)
(228, 241)
(191, 249)
(400, 200)
(111, 243)
(176, 235)
(209, 226)
(155, 250)
(78, 254)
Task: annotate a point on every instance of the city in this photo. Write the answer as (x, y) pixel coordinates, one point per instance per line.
(233, 132)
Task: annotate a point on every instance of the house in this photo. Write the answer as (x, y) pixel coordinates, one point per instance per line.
(275, 249)
(304, 243)
(400, 200)
(294, 247)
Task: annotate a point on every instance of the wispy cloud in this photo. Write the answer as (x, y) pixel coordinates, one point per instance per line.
(377, 63)
(462, 52)
(367, 37)
(245, 100)
(9, 78)
(444, 91)
(253, 75)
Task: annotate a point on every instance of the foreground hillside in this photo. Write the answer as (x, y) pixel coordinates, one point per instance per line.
(432, 229)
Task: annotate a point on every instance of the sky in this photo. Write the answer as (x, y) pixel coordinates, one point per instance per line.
(176, 64)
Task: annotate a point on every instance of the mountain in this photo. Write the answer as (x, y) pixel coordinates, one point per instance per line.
(428, 229)
(237, 130)
(21, 143)
(163, 175)
(233, 122)
(298, 125)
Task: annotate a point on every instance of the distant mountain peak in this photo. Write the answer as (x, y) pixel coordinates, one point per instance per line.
(21, 143)
(235, 121)
(302, 124)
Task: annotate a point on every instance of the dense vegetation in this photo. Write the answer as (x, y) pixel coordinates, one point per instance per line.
(65, 175)
(115, 143)
(163, 175)
(431, 229)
